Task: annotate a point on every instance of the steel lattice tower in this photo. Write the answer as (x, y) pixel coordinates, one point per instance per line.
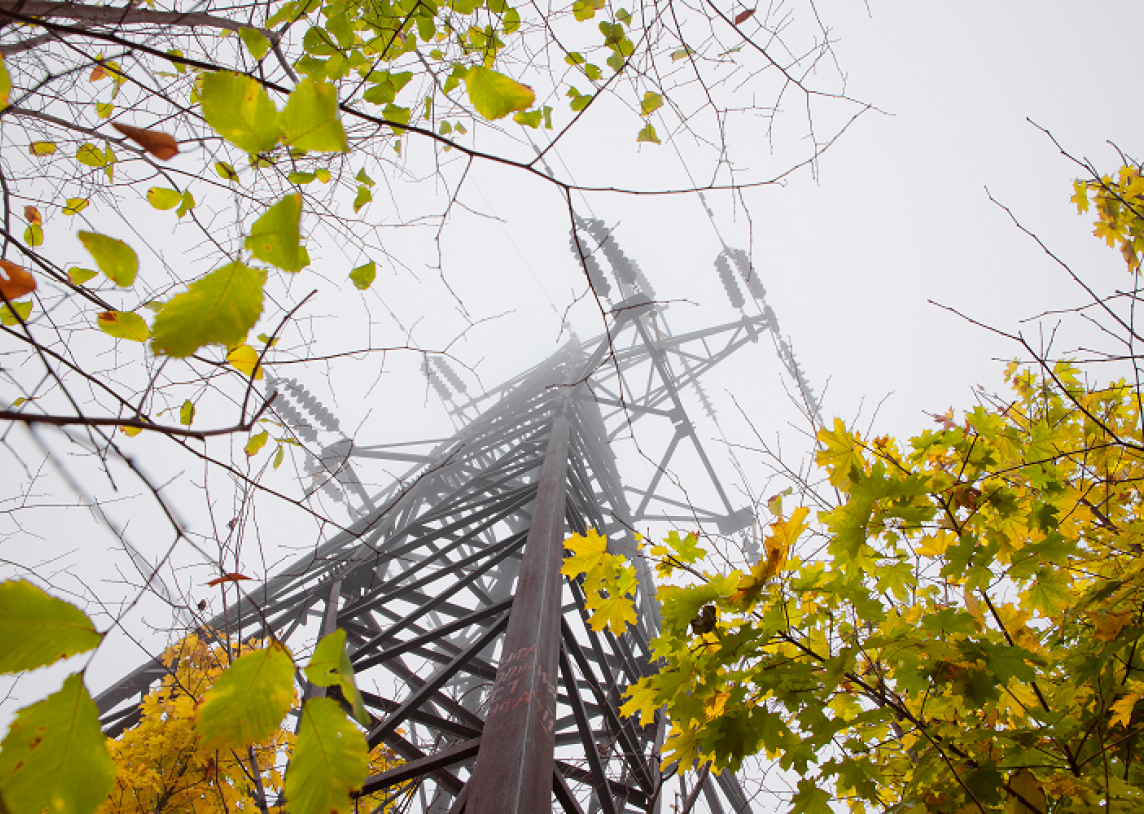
(492, 687)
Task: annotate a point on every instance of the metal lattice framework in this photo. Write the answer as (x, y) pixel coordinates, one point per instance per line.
(486, 678)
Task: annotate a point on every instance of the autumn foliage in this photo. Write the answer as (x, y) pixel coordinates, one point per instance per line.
(959, 632)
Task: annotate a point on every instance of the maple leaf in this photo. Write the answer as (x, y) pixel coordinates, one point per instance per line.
(642, 699)
(1122, 709)
(841, 452)
(945, 419)
(615, 610)
(590, 551)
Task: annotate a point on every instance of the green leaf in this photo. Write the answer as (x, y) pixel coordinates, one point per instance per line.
(330, 666)
(396, 114)
(330, 760)
(54, 756)
(531, 118)
(256, 443)
(114, 258)
(323, 175)
(651, 103)
(75, 205)
(648, 134)
(301, 177)
(511, 21)
(255, 41)
(810, 799)
(186, 203)
(91, 156)
(163, 198)
(363, 197)
(495, 95)
(239, 109)
(274, 236)
(225, 171)
(13, 313)
(363, 178)
(187, 413)
(363, 276)
(34, 235)
(219, 309)
(249, 700)
(79, 276)
(279, 455)
(310, 120)
(38, 629)
(124, 325)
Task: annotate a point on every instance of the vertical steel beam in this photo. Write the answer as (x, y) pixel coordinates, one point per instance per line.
(513, 772)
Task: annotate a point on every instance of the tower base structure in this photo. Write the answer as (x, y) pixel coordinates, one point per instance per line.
(475, 656)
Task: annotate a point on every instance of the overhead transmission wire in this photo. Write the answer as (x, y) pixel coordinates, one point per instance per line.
(758, 293)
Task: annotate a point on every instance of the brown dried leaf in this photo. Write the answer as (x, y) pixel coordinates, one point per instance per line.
(227, 578)
(15, 282)
(743, 16)
(33, 216)
(159, 144)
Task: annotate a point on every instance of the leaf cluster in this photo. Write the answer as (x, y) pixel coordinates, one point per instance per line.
(209, 737)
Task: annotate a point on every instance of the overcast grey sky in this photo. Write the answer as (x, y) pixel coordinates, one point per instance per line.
(895, 214)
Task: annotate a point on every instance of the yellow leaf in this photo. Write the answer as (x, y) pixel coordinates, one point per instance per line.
(615, 610)
(841, 452)
(934, 545)
(590, 552)
(1109, 625)
(1024, 783)
(245, 359)
(643, 699)
(682, 745)
(1122, 709)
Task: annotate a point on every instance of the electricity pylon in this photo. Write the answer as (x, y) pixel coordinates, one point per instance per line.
(479, 666)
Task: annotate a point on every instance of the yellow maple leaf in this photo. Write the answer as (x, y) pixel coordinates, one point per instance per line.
(615, 610)
(590, 552)
(1122, 709)
(934, 545)
(1109, 625)
(778, 543)
(841, 451)
(643, 699)
(682, 745)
